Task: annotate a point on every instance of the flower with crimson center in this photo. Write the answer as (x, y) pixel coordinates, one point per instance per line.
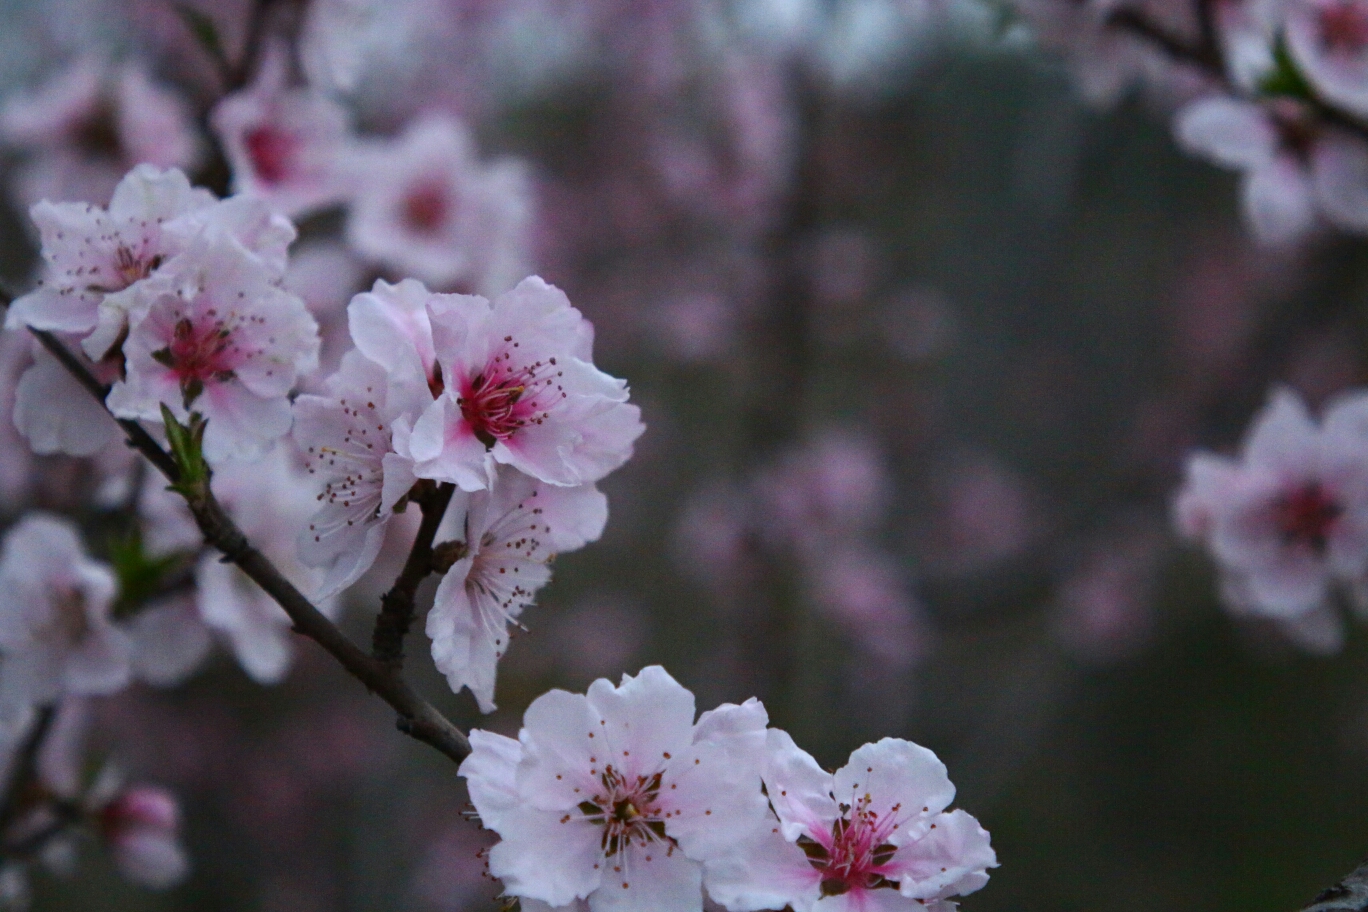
(1287, 521)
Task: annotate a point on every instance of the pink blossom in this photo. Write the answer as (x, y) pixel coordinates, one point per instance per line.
(617, 797)
(874, 835)
(226, 342)
(347, 438)
(54, 413)
(56, 625)
(90, 124)
(288, 146)
(1329, 41)
(428, 208)
(1294, 169)
(141, 826)
(1287, 520)
(508, 536)
(519, 388)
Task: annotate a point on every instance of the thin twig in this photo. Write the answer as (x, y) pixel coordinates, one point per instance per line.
(24, 767)
(417, 717)
(397, 605)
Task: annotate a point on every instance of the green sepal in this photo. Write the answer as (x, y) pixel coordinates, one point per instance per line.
(141, 575)
(1285, 79)
(203, 29)
(187, 449)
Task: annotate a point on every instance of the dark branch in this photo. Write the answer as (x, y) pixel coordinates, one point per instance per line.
(417, 717)
(397, 605)
(1349, 895)
(24, 767)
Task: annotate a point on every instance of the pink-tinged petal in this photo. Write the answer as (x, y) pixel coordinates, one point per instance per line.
(714, 801)
(1339, 173)
(1283, 438)
(766, 872)
(53, 309)
(255, 626)
(58, 415)
(730, 722)
(491, 775)
(901, 780)
(464, 647)
(390, 326)
(1278, 201)
(443, 447)
(547, 855)
(649, 877)
(1328, 39)
(169, 642)
(645, 717)
(799, 789)
(243, 426)
(560, 748)
(1227, 131)
(1209, 481)
(952, 859)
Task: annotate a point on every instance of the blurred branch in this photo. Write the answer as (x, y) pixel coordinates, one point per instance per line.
(396, 605)
(1349, 895)
(24, 768)
(417, 717)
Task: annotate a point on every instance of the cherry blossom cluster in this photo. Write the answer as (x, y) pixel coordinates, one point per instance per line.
(499, 399)
(1277, 91)
(620, 799)
(1287, 521)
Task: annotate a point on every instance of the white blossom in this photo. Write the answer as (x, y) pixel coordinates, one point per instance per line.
(616, 796)
(874, 835)
(226, 342)
(1329, 41)
(1287, 520)
(57, 634)
(427, 207)
(288, 146)
(508, 536)
(519, 388)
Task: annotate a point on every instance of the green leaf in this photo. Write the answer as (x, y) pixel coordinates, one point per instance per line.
(187, 449)
(142, 576)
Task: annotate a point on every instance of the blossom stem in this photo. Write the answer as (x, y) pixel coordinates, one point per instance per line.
(24, 768)
(397, 605)
(417, 717)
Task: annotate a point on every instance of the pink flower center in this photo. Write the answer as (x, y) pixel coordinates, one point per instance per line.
(1307, 516)
(129, 267)
(426, 208)
(198, 354)
(272, 153)
(856, 853)
(502, 399)
(627, 809)
(1344, 26)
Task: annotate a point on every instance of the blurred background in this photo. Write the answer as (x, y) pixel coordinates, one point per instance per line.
(921, 340)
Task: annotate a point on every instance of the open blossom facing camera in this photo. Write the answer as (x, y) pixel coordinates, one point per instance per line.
(1287, 521)
(508, 536)
(226, 342)
(519, 388)
(874, 835)
(286, 145)
(617, 796)
(430, 209)
(57, 634)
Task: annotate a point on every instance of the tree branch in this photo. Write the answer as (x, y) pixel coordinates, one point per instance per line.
(417, 717)
(24, 767)
(1349, 895)
(397, 605)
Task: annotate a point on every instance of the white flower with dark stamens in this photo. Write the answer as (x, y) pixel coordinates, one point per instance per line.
(347, 437)
(87, 126)
(429, 208)
(617, 796)
(1329, 41)
(507, 537)
(57, 633)
(226, 342)
(103, 266)
(519, 388)
(872, 836)
(1287, 521)
(286, 145)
